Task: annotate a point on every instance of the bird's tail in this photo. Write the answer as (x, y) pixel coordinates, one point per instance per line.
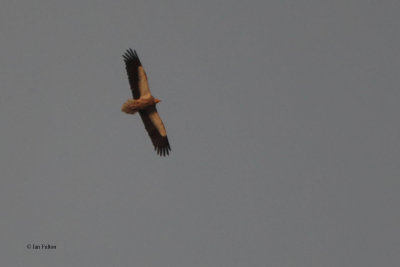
(129, 107)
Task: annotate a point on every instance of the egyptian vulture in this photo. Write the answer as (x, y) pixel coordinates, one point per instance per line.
(144, 103)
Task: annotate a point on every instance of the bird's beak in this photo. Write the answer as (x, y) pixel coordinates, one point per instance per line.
(157, 100)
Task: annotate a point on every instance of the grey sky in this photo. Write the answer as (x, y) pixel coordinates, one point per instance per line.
(282, 118)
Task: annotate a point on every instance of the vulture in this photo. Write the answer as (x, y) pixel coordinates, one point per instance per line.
(144, 103)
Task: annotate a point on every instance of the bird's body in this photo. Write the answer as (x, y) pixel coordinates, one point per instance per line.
(144, 103)
(131, 106)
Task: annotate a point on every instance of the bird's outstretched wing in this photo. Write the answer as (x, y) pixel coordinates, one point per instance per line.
(156, 130)
(136, 75)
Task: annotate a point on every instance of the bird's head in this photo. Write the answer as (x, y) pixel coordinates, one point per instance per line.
(156, 100)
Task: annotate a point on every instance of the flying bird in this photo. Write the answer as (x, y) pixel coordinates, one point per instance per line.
(144, 103)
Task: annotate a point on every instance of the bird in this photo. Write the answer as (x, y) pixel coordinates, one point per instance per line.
(144, 103)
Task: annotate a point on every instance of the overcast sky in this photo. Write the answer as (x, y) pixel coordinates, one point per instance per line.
(283, 119)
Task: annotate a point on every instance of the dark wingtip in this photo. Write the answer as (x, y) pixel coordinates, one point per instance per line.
(131, 56)
(163, 150)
